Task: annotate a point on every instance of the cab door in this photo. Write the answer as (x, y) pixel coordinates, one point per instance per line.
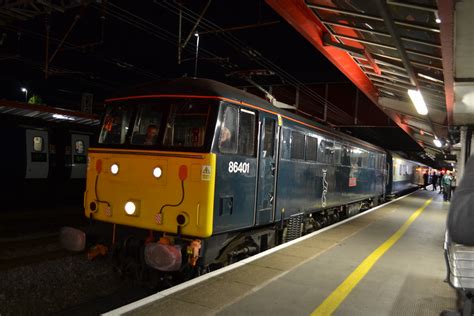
(267, 168)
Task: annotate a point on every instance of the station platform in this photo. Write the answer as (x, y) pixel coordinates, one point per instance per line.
(385, 261)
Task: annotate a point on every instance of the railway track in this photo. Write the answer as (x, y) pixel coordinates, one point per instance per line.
(17, 253)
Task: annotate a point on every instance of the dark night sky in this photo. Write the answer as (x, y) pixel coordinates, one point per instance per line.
(140, 47)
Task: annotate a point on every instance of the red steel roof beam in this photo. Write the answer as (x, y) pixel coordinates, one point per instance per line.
(297, 13)
(300, 16)
(446, 14)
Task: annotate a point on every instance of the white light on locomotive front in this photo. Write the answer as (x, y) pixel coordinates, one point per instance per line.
(130, 208)
(114, 168)
(157, 172)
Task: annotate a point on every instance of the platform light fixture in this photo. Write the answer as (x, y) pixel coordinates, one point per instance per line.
(197, 53)
(26, 93)
(429, 78)
(418, 101)
(437, 19)
(63, 117)
(437, 142)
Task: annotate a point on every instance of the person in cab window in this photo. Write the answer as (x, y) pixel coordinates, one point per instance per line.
(151, 134)
(225, 137)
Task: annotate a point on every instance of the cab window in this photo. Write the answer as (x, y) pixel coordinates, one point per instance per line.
(228, 132)
(246, 132)
(237, 133)
(115, 126)
(269, 138)
(186, 124)
(147, 125)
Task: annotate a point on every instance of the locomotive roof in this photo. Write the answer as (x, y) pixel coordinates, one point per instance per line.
(207, 87)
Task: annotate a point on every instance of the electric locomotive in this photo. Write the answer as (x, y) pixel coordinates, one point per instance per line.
(207, 174)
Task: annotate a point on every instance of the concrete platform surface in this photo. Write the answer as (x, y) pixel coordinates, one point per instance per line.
(406, 279)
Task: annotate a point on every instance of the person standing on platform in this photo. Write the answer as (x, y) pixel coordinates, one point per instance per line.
(425, 180)
(447, 186)
(453, 184)
(440, 183)
(434, 180)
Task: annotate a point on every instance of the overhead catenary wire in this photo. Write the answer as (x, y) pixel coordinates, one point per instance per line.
(71, 46)
(142, 24)
(252, 54)
(189, 15)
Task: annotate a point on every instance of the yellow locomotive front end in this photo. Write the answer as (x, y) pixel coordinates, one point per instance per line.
(170, 192)
(152, 177)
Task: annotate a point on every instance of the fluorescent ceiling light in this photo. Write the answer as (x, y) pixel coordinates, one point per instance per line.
(388, 92)
(437, 142)
(368, 25)
(63, 117)
(418, 102)
(430, 78)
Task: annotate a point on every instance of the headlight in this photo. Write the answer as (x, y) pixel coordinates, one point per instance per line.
(157, 172)
(130, 208)
(114, 168)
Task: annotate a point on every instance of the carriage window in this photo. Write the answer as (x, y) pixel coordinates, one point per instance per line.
(380, 162)
(147, 125)
(345, 156)
(228, 133)
(115, 125)
(297, 145)
(337, 152)
(372, 158)
(269, 140)
(355, 157)
(311, 148)
(364, 159)
(186, 124)
(383, 160)
(247, 132)
(37, 143)
(79, 147)
(326, 152)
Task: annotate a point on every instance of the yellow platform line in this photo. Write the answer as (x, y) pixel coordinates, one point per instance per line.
(332, 302)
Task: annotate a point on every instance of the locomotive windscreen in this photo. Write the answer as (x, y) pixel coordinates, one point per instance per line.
(156, 122)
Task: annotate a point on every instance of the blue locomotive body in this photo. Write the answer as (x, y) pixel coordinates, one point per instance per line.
(277, 175)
